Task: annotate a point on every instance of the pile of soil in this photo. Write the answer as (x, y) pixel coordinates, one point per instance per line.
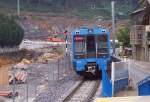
(15, 57)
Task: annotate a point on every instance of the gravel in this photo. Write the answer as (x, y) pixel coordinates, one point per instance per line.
(57, 89)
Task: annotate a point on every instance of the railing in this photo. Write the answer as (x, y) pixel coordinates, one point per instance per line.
(36, 79)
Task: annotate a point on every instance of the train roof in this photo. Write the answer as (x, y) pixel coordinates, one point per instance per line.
(87, 31)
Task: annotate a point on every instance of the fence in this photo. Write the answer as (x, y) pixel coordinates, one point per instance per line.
(120, 75)
(34, 79)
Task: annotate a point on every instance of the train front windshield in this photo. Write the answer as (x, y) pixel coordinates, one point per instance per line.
(79, 42)
(90, 46)
(102, 47)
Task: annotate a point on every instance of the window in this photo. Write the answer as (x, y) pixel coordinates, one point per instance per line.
(102, 48)
(148, 35)
(79, 47)
(79, 44)
(102, 41)
(139, 36)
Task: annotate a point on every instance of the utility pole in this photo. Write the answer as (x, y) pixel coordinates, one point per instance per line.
(18, 8)
(113, 25)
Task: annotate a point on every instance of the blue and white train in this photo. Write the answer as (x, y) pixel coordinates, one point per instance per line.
(91, 50)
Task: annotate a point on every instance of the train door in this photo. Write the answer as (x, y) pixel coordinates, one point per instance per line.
(91, 46)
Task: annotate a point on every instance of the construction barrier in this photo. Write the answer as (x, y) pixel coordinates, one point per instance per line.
(20, 77)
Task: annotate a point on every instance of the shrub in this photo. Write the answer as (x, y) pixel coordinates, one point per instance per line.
(11, 33)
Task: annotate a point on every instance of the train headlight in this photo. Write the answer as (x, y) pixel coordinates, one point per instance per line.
(77, 32)
(90, 31)
(103, 31)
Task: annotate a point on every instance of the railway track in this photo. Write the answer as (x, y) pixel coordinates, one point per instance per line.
(83, 92)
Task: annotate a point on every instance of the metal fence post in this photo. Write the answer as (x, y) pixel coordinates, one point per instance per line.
(27, 84)
(64, 65)
(113, 77)
(64, 61)
(49, 76)
(58, 68)
(68, 64)
(14, 83)
(53, 72)
(129, 73)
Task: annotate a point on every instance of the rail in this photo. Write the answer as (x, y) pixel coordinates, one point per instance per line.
(83, 92)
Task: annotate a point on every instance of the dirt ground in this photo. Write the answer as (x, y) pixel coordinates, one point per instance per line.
(13, 58)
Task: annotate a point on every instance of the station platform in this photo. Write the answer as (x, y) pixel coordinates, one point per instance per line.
(143, 66)
(124, 99)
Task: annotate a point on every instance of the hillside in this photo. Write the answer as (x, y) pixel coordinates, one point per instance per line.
(79, 8)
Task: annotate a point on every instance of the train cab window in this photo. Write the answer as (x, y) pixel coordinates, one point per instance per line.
(79, 47)
(91, 46)
(102, 48)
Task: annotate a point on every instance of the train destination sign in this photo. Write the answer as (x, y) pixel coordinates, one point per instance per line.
(79, 38)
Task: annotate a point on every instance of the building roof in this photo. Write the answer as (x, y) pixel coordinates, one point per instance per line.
(140, 9)
(137, 11)
(148, 1)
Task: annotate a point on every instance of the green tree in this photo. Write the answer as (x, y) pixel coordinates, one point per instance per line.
(123, 36)
(11, 34)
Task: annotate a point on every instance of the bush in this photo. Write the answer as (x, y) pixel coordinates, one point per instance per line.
(11, 34)
(123, 36)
